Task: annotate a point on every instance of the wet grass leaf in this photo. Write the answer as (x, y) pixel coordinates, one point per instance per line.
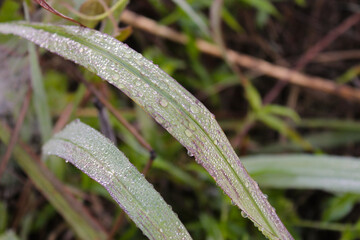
(179, 112)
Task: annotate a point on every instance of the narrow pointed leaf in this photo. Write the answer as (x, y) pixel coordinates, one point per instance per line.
(180, 113)
(193, 15)
(72, 211)
(304, 171)
(96, 156)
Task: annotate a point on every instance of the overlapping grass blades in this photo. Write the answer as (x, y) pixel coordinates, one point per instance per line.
(180, 113)
(96, 156)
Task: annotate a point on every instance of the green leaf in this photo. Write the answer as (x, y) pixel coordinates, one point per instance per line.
(302, 171)
(231, 21)
(180, 113)
(40, 98)
(262, 5)
(96, 156)
(193, 16)
(340, 206)
(67, 206)
(281, 111)
(253, 96)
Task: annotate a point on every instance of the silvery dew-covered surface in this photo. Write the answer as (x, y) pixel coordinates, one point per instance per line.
(95, 155)
(169, 103)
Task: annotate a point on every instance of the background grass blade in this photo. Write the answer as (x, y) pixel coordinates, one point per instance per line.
(180, 113)
(72, 211)
(194, 16)
(40, 99)
(302, 171)
(95, 155)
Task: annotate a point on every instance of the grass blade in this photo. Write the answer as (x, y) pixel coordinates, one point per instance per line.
(72, 211)
(193, 15)
(180, 113)
(95, 155)
(302, 171)
(40, 98)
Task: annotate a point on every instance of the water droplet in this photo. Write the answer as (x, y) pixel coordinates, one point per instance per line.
(66, 161)
(190, 153)
(163, 103)
(161, 230)
(81, 50)
(243, 214)
(188, 133)
(116, 77)
(266, 196)
(194, 109)
(215, 142)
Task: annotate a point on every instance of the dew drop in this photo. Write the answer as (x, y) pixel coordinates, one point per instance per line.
(81, 50)
(115, 77)
(163, 103)
(243, 214)
(194, 109)
(190, 153)
(215, 142)
(188, 133)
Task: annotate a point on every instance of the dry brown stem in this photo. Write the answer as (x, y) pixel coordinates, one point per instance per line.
(243, 60)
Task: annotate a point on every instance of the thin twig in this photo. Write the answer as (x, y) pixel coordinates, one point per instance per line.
(47, 7)
(111, 17)
(116, 113)
(312, 52)
(264, 67)
(64, 118)
(15, 134)
(337, 56)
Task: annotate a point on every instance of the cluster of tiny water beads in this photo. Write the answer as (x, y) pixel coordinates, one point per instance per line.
(111, 168)
(162, 97)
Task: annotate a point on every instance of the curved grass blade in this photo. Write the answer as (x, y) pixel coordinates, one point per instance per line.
(66, 205)
(96, 156)
(303, 171)
(179, 112)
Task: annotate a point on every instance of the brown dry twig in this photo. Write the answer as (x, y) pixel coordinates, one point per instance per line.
(264, 67)
(312, 52)
(47, 7)
(15, 134)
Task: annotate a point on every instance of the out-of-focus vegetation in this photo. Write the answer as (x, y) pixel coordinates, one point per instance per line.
(296, 120)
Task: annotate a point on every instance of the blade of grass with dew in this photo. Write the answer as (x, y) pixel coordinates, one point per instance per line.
(77, 218)
(179, 112)
(96, 156)
(304, 171)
